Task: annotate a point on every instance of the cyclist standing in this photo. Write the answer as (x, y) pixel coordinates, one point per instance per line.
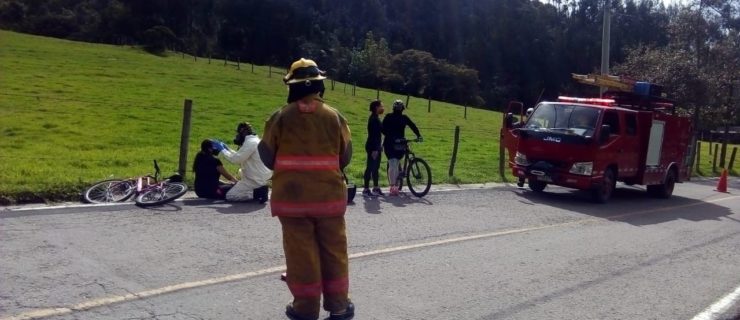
(394, 127)
(373, 147)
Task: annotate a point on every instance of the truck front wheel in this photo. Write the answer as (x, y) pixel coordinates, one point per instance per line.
(537, 186)
(603, 192)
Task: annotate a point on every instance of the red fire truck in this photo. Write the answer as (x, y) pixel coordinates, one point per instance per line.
(630, 134)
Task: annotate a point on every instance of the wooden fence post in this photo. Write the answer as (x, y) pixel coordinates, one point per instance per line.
(698, 156)
(466, 111)
(714, 159)
(226, 58)
(429, 105)
(238, 61)
(185, 137)
(454, 152)
(407, 101)
(501, 158)
(354, 89)
(252, 66)
(377, 94)
(732, 159)
(332, 84)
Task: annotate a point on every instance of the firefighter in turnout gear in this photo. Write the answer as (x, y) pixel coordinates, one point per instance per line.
(307, 144)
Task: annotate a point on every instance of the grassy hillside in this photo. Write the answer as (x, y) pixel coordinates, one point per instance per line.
(72, 113)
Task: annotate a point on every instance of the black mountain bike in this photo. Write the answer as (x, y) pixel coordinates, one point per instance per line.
(415, 170)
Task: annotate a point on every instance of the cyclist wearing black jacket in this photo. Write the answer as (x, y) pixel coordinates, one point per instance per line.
(394, 127)
(373, 147)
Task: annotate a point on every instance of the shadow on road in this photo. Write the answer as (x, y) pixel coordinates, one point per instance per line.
(628, 204)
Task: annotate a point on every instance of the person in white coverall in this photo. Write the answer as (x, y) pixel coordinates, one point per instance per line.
(254, 174)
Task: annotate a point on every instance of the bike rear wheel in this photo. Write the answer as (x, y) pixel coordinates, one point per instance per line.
(419, 177)
(107, 191)
(161, 194)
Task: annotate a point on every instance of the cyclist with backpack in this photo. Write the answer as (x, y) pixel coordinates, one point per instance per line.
(394, 127)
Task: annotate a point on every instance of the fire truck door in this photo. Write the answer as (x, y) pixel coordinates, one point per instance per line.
(513, 119)
(629, 157)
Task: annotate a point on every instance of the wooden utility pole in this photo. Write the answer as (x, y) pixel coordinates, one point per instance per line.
(605, 39)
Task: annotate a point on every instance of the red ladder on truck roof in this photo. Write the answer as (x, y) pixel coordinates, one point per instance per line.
(629, 93)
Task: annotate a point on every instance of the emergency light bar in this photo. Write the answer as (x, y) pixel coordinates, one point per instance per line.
(599, 101)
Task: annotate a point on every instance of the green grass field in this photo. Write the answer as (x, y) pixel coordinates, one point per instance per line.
(72, 113)
(706, 159)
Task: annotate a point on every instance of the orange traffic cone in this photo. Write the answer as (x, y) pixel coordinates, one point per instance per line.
(722, 184)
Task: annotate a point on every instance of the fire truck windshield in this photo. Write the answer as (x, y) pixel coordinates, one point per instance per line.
(566, 118)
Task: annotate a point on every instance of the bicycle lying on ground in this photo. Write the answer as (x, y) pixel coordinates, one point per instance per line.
(415, 170)
(149, 190)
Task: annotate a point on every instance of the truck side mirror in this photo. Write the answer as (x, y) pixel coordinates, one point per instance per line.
(606, 131)
(509, 120)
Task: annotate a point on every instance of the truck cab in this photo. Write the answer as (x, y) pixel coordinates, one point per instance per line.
(591, 143)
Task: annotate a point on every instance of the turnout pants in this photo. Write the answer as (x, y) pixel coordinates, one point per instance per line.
(317, 261)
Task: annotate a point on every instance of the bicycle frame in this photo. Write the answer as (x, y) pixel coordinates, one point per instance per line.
(408, 155)
(143, 183)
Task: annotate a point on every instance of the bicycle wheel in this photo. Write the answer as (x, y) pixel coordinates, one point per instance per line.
(419, 177)
(109, 191)
(161, 194)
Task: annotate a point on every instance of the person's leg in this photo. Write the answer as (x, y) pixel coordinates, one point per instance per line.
(223, 189)
(367, 175)
(375, 174)
(368, 172)
(332, 242)
(393, 174)
(242, 191)
(303, 264)
(375, 170)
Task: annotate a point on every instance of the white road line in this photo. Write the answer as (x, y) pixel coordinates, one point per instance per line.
(717, 310)
(94, 303)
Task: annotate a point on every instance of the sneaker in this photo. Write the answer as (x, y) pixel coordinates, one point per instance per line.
(378, 192)
(366, 193)
(348, 313)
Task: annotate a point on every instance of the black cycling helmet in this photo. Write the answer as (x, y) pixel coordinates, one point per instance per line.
(398, 105)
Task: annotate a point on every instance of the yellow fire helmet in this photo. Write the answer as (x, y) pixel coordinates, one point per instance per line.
(303, 70)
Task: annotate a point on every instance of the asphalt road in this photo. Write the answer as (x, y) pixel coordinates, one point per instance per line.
(483, 253)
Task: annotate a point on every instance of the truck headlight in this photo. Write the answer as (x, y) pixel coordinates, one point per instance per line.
(521, 159)
(582, 168)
